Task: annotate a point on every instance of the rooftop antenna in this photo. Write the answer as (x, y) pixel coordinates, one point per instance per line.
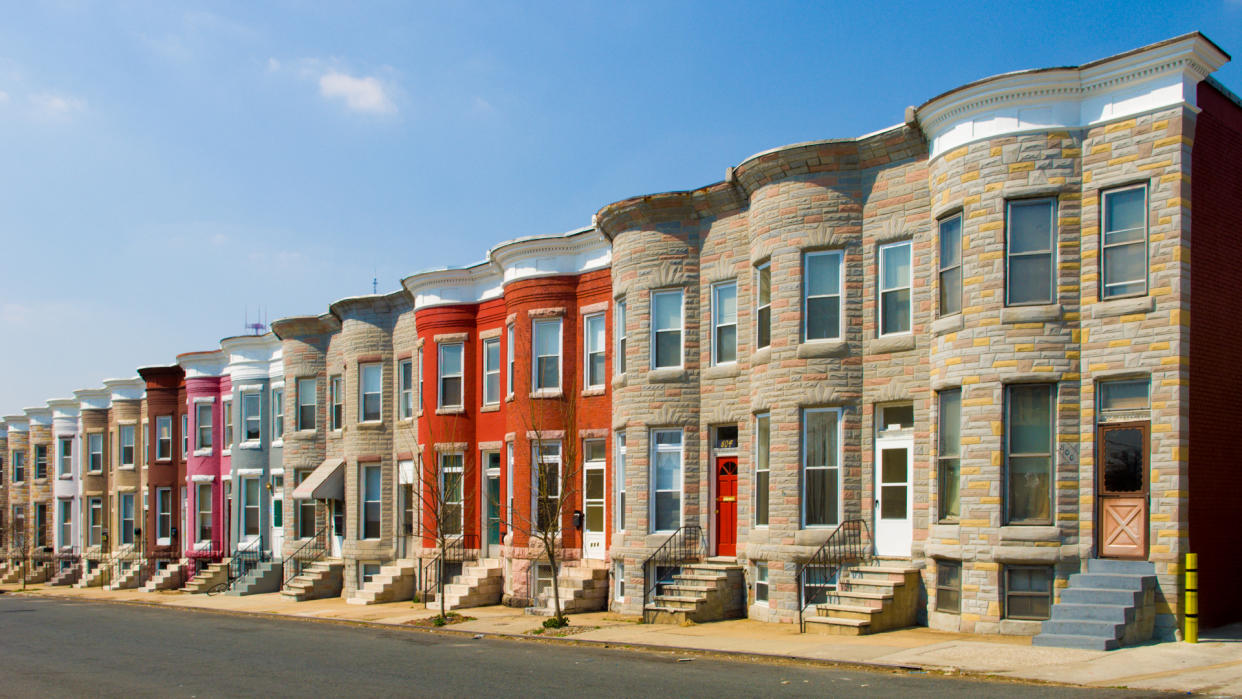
(257, 327)
(374, 282)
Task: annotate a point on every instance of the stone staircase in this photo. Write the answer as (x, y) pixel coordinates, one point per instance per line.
(701, 592)
(170, 577)
(316, 581)
(394, 582)
(127, 574)
(1111, 605)
(266, 576)
(14, 574)
(67, 575)
(583, 588)
(209, 577)
(869, 599)
(481, 583)
(40, 572)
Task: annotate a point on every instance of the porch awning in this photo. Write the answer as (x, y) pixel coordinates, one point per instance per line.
(326, 482)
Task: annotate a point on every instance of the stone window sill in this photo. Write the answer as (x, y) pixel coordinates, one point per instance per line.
(1032, 314)
(722, 371)
(119, 468)
(1030, 532)
(948, 324)
(821, 348)
(278, 443)
(763, 355)
(490, 408)
(371, 426)
(666, 375)
(890, 344)
(202, 452)
(618, 381)
(252, 445)
(1123, 307)
(458, 410)
(593, 391)
(547, 393)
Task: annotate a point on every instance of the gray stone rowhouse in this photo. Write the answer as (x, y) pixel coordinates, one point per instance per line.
(256, 369)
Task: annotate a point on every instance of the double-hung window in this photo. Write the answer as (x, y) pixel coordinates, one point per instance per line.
(163, 437)
(405, 379)
(250, 507)
(40, 511)
(821, 288)
(371, 490)
(821, 467)
(763, 305)
(1123, 243)
(371, 392)
(185, 434)
(949, 456)
(40, 451)
(619, 331)
(94, 536)
(895, 283)
(163, 515)
(127, 518)
(618, 521)
(306, 508)
(593, 337)
(19, 467)
(1028, 453)
(127, 446)
(1029, 252)
(202, 421)
(509, 340)
(666, 328)
(547, 364)
(491, 371)
(278, 413)
(65, 460)
(336, 404)
(450, 367)
(547, 459)
(419, 398)
(94, 452)
(451, 493)
(666, 446)
(66, 523)
(951, 265)
(763, 424)
(251, 419)
(202, 501)
(227, 410)
(307, 403)
(724, 323)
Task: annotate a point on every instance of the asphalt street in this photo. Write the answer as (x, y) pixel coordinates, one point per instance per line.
(69, 648)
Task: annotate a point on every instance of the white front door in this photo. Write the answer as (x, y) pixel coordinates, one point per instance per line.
(277, 508)
(593, 510)
(337, 535)
(893, 525)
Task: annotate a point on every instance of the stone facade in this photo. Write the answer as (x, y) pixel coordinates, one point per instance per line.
(123, 456)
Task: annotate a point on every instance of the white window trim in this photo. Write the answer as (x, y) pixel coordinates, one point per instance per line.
(509, 359)
(803, 468)
(120, 447)
(1104, 195)
(336, 391)
(362, 395)
(299, 403)
(185, 434)
(199, 449)
(681, 483)
(171, 441)
(248, 442)
(537, 461)
(755, 510)
(560, 355)
(61, 457)
(491, 371)
(164, 540)
(461, 471)
(767, 583)
(716, 324)
(619, 467)
(840, 295)
(941, 268)
(90, 451)
(405, 367)
(441, 376)
(363, 501)
(586, 350)
(760, 306)
(198, 513)
(881, 289)
(681, 329)
(619, 336)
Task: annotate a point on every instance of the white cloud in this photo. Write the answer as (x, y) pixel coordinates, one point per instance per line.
(273, 65)
(359, 94)
(54, 106)
(4, 96)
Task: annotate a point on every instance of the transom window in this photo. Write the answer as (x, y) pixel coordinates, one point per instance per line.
(1123, 243)
(251, 419)
(491, 371)
(450, 367)
(1124, 396)
(667, 464)
(593, 340)
(371, 396)
(1028, 251)
(821, 302)
(547, 364)
(951, 265)
(895, 283)
(763, 305)
(821, 467)
(1028, 453)
(724, 323)
(666, 328)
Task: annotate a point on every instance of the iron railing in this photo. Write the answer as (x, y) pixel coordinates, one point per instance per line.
(310, 551)
(456, 550)
(818, 576)
(201, 559)
(245, 559)
(686, 545)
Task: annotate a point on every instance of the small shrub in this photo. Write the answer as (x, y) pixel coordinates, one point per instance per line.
(556, 622)
(439, 621)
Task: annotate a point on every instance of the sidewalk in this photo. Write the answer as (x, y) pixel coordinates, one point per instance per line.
(1213, 666)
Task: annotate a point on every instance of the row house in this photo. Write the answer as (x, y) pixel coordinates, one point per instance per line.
(4, 497)
(166, 444)
(66, 482)
(209, 406)
(120, 449)
(41, 494)
(94, 415)
(18, 481)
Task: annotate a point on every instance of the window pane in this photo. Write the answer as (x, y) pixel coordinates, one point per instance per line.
(896, 311)
(452, 391)
(450, 359)
(595, 483)
(726, 343)
(668, 471)
(547, 338)
(1123, 460)
(1030, 279)
(821, 496)
(594, 333)
(1122, 264)
(668, 511)
(951, 242)
(1029, 488)
(823, 318)
(761, 497)
(896, 266)
(823, 274)
(1030, 420)
(1125, 209)
(765, 327)
(549, 372)
(950, 488)
(951, 291)
(668, 349)
(821, 438)
(726, 304)
(1123, 395)
(765, 285)
(1030, 226)
(371, 375)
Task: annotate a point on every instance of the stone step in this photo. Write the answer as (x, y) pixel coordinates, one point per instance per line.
(866, 599)
(1108, 566)
(1127, 598)
(1108, 581)
(1071, 627)
(837, 626)
(1071, 641)
(1115, 613)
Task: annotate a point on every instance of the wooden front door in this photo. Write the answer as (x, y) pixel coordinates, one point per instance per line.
(726, 506)
(1121, 489)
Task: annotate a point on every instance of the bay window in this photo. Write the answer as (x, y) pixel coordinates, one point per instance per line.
(450, 368)
(821, 289)
(547, 459)
(951, 265)
(666, 328)
(895, 285)
(666, 459)
(1029, 236)
(593, 334)
(1028, 453)
(821, 467)
(547, 349)
(491, 371)
(724, 323)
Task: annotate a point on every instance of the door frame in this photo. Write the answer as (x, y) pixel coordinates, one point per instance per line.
(600, 465)
(893, 442)
(336, 539)
(718, 450)
(1101, 496)
(716, 500)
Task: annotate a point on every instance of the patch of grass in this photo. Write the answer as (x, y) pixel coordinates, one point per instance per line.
(437, 620)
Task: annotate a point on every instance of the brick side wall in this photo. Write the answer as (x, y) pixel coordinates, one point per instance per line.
(1215, 382)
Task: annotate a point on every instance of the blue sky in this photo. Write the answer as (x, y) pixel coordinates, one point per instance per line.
(165, 166)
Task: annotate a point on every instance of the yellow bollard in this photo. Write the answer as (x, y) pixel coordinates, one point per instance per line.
(1192, 598)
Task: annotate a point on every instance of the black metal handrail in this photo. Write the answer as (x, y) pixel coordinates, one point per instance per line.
(245, 559)
(310, 551)
(686, 545)
(849, 545)
(455, 550)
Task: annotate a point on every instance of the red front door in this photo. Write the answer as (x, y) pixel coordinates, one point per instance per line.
(726, 506)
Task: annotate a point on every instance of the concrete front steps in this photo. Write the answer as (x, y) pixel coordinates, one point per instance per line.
(264, 577)
(869, 599)
(67, 575)
(127, 575)
(583, 587)
(210, 576)
(480, 584)
(14, 574)
(701, 592)
(318, 580)
(1113, 604)
(170, 577)
(40, 572)
(394, 582)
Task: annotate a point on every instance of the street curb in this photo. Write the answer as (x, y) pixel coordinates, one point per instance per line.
(750, 656)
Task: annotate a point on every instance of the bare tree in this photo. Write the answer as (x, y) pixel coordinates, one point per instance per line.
(556, 472)
(441, 498)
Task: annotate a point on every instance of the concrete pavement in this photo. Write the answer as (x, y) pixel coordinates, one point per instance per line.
(1214, 666)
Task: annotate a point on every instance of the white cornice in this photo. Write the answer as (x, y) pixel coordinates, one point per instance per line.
(251, 357)
(203, 364)
(16, 423)
(1154, 77)
(41, 417)
(94, 398)
(64, 411)
(127, 389)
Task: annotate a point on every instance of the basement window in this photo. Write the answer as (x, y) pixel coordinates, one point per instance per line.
(761, 583)
(1028, 592)
(949, 586)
